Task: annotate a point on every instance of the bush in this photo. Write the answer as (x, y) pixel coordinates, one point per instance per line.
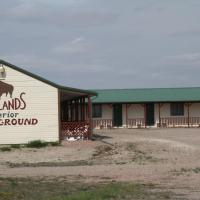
(5, 149)
(15, 146)
(36, 144)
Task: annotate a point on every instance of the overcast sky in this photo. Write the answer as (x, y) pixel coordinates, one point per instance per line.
(104, 43)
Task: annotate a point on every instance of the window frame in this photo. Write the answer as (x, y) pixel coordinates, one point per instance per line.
(177, 109)
(95, 113)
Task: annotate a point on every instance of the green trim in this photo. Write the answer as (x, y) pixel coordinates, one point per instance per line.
(60, 87)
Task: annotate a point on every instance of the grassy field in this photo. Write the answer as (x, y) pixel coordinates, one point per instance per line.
(29, 189)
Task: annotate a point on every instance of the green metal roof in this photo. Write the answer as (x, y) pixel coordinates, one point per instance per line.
(191, 94)
(63, 88)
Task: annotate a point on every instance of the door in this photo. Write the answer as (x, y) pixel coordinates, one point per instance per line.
(150, 121)
(117, 115)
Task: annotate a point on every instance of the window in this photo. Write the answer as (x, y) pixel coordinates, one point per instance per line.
(96, 111)
(177, 109)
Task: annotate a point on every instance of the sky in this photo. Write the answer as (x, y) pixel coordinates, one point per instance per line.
(99, 44)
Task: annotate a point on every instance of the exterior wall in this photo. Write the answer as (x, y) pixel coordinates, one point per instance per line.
(39, 102)
(135, 111)
(194, 115)
(106, 119)
(106, 112)
(136, 115)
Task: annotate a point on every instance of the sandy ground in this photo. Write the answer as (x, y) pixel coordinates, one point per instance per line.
(169, 158)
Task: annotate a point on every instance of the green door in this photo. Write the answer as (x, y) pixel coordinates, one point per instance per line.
(150, 114)
(117, 115)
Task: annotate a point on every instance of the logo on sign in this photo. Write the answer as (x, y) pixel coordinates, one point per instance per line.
(11, 109)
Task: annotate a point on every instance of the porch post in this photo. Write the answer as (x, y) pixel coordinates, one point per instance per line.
(188, 114)
(126, 115)
(81, 109)
(90, 116)
(71, 111)
(159, 114)
(84, 109)
(145, 115)
(59, 117)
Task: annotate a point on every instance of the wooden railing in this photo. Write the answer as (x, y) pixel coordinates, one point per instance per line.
(195, 121)
(78, 130)
(102, 123)
(180, 121)
(140, 122)
(135, 122)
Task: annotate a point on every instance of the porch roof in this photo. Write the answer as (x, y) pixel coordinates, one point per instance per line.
(187, 94)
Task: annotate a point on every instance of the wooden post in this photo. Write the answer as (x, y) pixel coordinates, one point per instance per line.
(126, 115)
(84, 109)
(145, 115)
(71, 111)
(188, 114)
(81, 109)
(90, 116)
(59, 117)
(159, 114)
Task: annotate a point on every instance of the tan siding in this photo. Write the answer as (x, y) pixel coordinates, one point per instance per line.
(42, 103)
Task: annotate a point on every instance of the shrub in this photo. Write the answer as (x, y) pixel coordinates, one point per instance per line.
(36, 144)
(5, 149)
(15, 146)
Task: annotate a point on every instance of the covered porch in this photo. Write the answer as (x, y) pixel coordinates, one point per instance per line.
(75, 114)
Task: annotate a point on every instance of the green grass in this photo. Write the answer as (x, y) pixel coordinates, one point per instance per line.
(15, 146)
(195, 170)
(54, 144)
(50, 164)
(36, 144)
(5, 149)
(31, 144)
(60, 189)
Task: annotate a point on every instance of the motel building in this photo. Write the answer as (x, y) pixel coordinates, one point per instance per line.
(144, 108)
(33, 108)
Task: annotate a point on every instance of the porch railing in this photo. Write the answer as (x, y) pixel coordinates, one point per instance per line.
(180, 121)
(78, 130)
(135, 122)
(102, 123)
(140, 122)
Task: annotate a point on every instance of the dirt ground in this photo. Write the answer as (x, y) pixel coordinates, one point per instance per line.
(169, 158)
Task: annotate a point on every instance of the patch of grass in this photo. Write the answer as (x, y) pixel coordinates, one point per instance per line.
(103, 150)
(31, 189)
(36, 144)
(140, 156)
(15, 146)
(5, 149)
(186, 170)
(54, 144)
(196, 170)
(50, 164)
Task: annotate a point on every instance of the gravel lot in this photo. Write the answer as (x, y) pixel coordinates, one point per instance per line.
(169, 158)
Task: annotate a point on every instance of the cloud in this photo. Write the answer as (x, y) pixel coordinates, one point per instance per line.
(77, 45)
